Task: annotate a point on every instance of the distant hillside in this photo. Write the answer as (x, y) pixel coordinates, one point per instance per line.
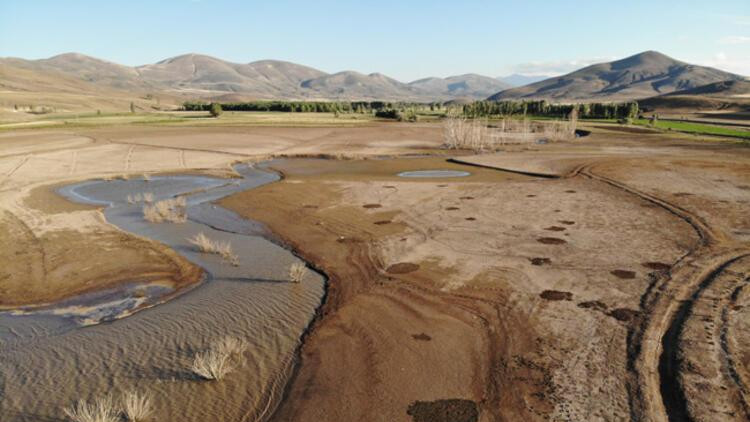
(723, 89)
(733, 94)
(203, 77)
(463, 86)
(356, 85)
(207, 76)
(640, 76)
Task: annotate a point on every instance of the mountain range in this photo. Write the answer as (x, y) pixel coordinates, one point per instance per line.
(195, 76)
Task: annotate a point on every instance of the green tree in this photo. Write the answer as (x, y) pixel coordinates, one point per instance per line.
(215, 110)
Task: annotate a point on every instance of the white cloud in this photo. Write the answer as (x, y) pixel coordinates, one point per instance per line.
(555, 68)
(734, 39)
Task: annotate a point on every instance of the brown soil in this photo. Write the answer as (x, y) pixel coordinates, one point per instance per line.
(551, 240)
(451, 410)
(540, 261)
(623, 274)
(623, 314)
(555, 229)
(657, 266)
(593, 304)
(461, 269)
(402, 268)
(371, 206)
(556, 295)
(33, 272)
(494, 342)
(421, 337)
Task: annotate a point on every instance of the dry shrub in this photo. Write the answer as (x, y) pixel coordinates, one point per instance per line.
(221, 358)
(297, 272)
(102, 409)
(173, 210)
(223, 249)
(137, 407)
(148, 197)
(212, 364)
(146, 177)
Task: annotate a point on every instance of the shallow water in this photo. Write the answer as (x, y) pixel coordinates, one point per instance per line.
(434, 173)
(50, 358)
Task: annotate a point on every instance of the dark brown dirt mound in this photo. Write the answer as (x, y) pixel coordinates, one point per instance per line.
(555, 228)
(421, 337)
(451, 410)
(593, 304)
(657, 266)
(310, 206)
(540, 261)
(567, 222)
(470, 219)
(466, 197)
(556, 295)
(452, 208)
(623, 274)
(551, 241)
(402, 268)
(371, 206)
(530, 196)
(381, 222)
(623, 314)
(570, 191)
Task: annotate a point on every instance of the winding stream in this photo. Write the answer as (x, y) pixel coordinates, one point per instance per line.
(82, 348)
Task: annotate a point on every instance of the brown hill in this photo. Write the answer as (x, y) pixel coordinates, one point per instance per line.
(640, 76)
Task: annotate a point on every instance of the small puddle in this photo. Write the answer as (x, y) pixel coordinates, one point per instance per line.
(426, 174)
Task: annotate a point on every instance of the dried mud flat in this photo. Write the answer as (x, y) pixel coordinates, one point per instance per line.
(597, 290)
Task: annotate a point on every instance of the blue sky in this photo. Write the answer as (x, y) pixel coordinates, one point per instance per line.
(403, 39)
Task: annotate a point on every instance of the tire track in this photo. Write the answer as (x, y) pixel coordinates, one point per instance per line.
(656, 392)
(20, 164)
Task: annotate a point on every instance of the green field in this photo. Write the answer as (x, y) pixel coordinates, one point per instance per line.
(696, 128)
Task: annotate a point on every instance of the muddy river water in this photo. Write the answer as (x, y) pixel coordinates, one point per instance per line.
(83, 348)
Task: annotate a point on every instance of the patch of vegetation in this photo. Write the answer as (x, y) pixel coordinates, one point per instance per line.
(694, 128)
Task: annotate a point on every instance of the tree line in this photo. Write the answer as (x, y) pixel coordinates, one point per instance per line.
(396, 110)
(543, 108)
(314, 106)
